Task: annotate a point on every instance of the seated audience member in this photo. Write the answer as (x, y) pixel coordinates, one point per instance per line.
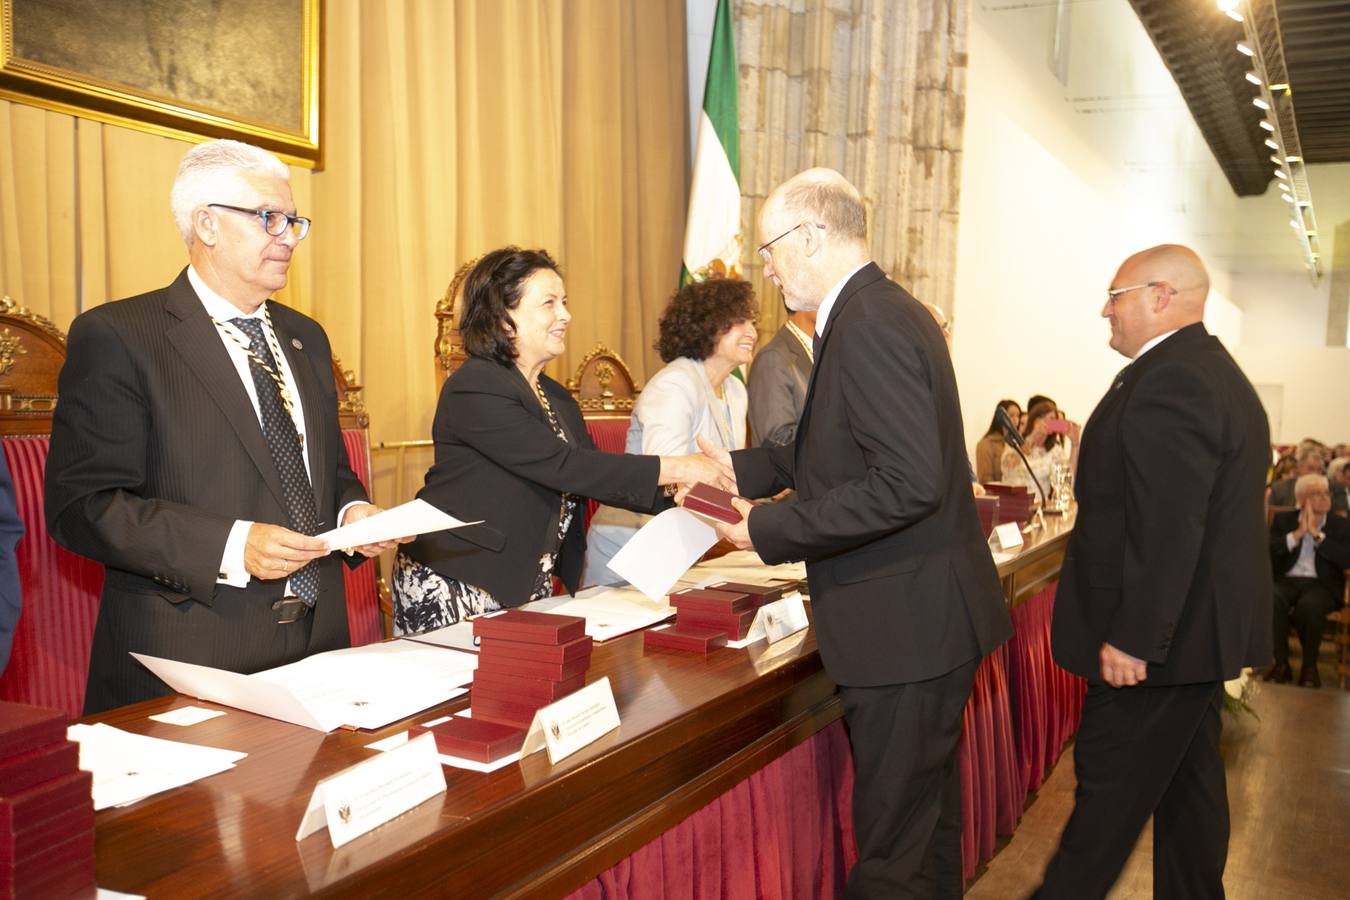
(1309, 551)
(1044, 449)
(707, 330)
(1037, 400)
(778, 379)
(1283, 468)
(1309, 463)
(1340, 451)
(989, 451)
(512, 450)
(1338, 476)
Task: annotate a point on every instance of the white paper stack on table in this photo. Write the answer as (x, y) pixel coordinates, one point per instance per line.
(741, 565)
(363, 687)
(609, 611)
(129, 767)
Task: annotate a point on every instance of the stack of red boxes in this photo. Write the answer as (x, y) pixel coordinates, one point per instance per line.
(708, 618)
(46, 807)
(527, 660)
(1015, 502)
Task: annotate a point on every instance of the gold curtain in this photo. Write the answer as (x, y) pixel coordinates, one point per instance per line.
(450, 129)
(876, 90)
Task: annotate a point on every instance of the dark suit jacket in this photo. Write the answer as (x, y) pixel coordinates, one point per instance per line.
(903, 586)
(777, 388)
(11, 530)
(156, 451)
(1167, 561)
(498, 460)
(1331, 559)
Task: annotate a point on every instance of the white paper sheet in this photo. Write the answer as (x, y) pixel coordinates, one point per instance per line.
(128, 767)
(458, 636)
(609, 611)
(365, 687)
(412, 518)
(188, 715)
(662, 551)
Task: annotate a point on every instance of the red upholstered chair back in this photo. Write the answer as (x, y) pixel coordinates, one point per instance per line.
(609, 433)
(362, 583)
(49, 662)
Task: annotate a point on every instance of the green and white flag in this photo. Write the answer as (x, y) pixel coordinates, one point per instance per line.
(712, 235)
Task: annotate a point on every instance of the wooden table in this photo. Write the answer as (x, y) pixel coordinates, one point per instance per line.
(693, 727)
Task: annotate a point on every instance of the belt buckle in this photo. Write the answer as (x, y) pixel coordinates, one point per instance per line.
(290, 609)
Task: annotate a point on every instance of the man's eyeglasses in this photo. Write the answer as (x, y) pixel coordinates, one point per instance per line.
(764, 248)
(1113, 293)
(274, 221)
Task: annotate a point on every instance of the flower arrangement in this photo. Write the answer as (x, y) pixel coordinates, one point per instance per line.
(1238, 694)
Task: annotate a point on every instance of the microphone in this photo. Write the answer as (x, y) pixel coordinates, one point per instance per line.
(1017, 441)
(1010, 432)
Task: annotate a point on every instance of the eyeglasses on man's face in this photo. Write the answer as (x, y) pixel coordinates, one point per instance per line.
(764, 247)
(1113, 293)
(274, 221)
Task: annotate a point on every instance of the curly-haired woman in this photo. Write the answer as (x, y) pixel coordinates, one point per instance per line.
(706, 331)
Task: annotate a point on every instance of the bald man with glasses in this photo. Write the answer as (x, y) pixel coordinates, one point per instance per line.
(195, 451)
(1165, 590)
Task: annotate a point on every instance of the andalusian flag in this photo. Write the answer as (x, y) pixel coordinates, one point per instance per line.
(712, 236)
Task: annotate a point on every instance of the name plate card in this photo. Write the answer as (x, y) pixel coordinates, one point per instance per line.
(571, 723)
(778, 620)
(371, 793)
(1005, 537)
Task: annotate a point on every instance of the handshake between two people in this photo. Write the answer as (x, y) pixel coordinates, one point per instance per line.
(273, 551)
(723, 478)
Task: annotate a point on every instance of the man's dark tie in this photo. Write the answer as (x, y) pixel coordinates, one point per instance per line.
(284, 441)
(815, 344)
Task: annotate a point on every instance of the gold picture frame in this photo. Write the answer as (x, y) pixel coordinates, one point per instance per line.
(188, 69)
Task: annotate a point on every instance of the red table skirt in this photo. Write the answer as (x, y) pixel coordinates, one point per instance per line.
(784, 832)
(787, 830)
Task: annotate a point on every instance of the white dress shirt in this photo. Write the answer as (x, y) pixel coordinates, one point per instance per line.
(1306, 564)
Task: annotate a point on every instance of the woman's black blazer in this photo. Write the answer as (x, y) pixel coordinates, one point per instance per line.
(497, 459)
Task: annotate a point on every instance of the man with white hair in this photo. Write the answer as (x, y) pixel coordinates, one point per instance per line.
(904, 592)
(1309, 551)
(195, 450)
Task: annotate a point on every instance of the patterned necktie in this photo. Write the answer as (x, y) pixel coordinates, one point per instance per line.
(283, 440)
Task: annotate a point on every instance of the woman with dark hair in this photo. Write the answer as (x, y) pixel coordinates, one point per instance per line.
(512, 450)
(989, 451)
(706, 331)
(1045, 448)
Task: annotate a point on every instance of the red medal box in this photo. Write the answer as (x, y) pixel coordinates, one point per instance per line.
(735, 625)
(759, 593)
(32, 840)
(18, 773)
(63, 870)
(692, 638)
(712, 502)
(722, 602)
(531, 668)
(476, 739)
(23, 727)
(493, 710)
(530, 627)
(50, 798)
(551, 653)
(515, 689)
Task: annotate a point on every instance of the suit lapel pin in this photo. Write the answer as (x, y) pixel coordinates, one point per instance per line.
(295, 342)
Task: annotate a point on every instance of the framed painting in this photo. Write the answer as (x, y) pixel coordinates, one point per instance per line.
(195, 69)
